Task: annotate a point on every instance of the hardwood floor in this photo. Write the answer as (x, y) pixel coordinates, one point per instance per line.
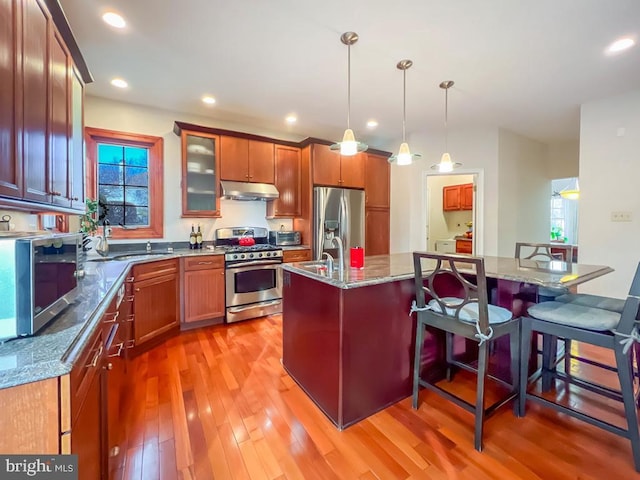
(216, 403)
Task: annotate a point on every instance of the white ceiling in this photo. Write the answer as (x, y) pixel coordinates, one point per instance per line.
(523, 65)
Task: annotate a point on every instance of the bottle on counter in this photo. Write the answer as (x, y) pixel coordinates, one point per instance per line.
(192, 238)
(199, 238)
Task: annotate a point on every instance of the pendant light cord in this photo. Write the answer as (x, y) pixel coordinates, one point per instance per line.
(404, 103)
(348, 86)
(446, 116)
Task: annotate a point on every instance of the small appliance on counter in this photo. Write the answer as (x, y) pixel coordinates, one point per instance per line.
(284, 237)
(39, 279)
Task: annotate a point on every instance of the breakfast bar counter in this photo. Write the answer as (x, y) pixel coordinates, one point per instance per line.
(348, 338)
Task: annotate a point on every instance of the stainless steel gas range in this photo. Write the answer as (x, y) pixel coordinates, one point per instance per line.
(252, 271)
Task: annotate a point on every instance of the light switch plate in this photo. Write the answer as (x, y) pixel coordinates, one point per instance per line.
(620, 216)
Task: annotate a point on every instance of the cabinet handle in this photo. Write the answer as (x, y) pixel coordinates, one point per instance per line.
(94, 362)
(128, 298)
(137, 289)
(205, 263)
(114, 319)
(130, 344)
(130, 317)
(128, 279)
(117, 354)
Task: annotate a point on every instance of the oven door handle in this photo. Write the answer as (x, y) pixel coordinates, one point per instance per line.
(251, 264)
(250, 307)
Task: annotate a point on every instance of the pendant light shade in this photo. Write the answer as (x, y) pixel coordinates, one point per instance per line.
(404, 156)
(349, 146)
(446, 164)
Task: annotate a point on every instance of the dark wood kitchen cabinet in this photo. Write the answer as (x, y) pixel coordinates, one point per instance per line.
(203, 288)
(287, 181)
(335, 170)
(377, 205)
(155, 303)
(244, 160)
(38, 138)
(377, 227)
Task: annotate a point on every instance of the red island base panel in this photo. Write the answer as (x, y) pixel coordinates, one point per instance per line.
(351, 350)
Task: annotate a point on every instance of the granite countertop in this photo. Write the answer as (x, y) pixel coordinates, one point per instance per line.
(54, 350)
(390, 268)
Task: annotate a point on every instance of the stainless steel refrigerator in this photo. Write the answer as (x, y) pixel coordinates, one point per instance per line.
(337, 212)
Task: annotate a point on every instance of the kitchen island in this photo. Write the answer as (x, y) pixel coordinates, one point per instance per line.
(348, 338)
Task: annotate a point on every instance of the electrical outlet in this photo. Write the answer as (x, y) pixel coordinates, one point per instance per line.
(620, 216)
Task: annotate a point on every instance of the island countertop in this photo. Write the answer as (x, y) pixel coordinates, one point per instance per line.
(399, 266)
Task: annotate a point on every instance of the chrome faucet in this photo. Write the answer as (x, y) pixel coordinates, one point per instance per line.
(103, 246)
(338, 242)
(329, 262)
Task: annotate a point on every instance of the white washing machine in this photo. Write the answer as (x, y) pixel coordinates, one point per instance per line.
(446, 246)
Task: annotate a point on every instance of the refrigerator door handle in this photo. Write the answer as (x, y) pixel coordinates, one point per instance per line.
(345, 224)
(320, 218)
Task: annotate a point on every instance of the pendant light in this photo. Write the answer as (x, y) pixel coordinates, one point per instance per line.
(349, 146)
(446, 165)
(404, 156)
(571, 193)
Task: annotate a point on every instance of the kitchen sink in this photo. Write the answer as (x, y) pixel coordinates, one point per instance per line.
(126, 256)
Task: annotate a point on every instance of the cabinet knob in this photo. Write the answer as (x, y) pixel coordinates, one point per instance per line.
(137, 289)
(75, 199)
(109, 366)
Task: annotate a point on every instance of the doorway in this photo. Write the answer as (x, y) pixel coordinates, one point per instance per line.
(452, 204)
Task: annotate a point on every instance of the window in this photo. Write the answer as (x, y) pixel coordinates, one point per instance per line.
(124, 171)
(564, 212)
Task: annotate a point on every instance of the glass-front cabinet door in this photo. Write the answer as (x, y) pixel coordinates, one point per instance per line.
(200, 174)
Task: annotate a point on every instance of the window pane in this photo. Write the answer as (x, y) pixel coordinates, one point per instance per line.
(136, 157)
(110, 174)
(137, 196)
(136, 215)
(115, 215)
(110, 153)
(138, 177)
(112, 194)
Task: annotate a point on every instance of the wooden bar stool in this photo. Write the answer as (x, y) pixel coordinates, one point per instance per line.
(467, 314)
(596, 326)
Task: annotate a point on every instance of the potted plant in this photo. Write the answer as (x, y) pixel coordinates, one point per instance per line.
(90, 221)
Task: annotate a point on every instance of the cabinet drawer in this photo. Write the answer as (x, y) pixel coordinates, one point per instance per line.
(463, 246)
(204, 262)
(296, 255)
(154, 269)
(88, 365)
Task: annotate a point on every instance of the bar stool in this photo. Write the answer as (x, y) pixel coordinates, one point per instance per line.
(595, 326)
(467, 314)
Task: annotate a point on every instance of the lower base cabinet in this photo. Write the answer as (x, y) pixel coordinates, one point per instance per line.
(303, 255)
(203, 288)
(155, 299)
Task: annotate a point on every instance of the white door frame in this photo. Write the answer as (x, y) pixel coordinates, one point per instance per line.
(478, 206)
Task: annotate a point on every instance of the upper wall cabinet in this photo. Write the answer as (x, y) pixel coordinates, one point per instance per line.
(244, 160)
(287, 182)
(200, 167)
(41, 156)
(377, 182)
(457, 197)
(335, 170)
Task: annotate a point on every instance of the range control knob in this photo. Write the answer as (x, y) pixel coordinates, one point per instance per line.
(243, 255)
(251, 255)
(235, 256)
(268, 254)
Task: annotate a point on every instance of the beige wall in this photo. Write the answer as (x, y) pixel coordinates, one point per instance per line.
(563, 159)
(609, 173)
(525, 189)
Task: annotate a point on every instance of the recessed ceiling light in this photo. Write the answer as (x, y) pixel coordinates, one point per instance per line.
(291, 119)
(372, 124)
(113, 19)
(208, 99)
(119, 82)
(620, 45)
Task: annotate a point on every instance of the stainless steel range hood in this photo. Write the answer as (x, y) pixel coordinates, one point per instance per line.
(249, 191)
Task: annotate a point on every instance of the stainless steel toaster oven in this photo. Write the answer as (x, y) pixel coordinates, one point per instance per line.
(283, 237)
